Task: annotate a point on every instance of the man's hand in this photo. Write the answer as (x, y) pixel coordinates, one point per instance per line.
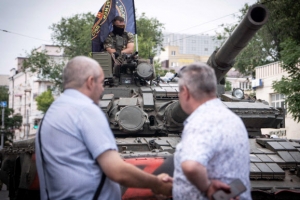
(215, 186)
(165, 178)
(116, 54)
(164, 188)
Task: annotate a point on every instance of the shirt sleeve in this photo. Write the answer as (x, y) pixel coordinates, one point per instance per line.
(198, 144)
(130, 37)
(95, 131)
(108, 43)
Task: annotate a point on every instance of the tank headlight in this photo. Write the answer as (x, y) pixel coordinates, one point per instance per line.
(238, 93)
(145, 70)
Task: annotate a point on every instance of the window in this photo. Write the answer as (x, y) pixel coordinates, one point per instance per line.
(173, 53)
(277, 100)
(48, 87)
(205, 49)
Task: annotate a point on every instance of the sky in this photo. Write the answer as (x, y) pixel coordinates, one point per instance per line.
(28, 21)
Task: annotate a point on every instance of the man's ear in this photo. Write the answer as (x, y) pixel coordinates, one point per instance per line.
(186, 93)
(90, 82)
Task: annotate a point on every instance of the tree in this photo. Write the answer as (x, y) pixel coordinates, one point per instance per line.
(11, 122)
(150, 37)
(285, 27)
(4, 93)
(158, 68)
(74, 34)
(44, 101)
(146, 46)
(45, 67)
(290, 86)
(227, 86)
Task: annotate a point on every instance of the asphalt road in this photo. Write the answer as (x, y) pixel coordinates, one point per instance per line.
(4, 193)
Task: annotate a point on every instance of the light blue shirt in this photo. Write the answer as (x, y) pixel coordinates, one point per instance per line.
(216, 138)
(74, 133)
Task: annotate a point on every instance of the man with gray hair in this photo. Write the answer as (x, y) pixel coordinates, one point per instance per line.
(214, 149)
(76, 154)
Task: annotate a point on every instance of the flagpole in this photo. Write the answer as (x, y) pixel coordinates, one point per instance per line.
(136, 36)
(137, 44)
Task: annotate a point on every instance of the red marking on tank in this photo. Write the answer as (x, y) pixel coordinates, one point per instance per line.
(148, 165)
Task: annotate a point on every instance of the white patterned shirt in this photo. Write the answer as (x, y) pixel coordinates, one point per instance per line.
(216, 138)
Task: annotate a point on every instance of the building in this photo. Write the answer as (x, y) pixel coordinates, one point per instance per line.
(184, 49)
(242, 83)
(265, 76)
(201, 45)
(238, 80)
(4, 80)
(24, 87)
(171, 58)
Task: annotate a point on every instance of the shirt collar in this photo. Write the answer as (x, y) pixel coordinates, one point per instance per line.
(78, 95)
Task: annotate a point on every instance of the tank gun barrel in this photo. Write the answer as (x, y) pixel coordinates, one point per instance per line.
(222, 59)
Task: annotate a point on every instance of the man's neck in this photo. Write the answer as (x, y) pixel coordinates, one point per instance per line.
(196, 103)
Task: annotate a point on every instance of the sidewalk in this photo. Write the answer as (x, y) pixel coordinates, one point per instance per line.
(4, 193)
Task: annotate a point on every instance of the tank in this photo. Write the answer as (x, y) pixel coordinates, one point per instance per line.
(146, 118)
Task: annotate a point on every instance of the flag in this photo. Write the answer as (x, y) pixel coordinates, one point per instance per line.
(103, 22)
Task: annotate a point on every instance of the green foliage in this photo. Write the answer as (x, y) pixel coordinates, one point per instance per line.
(286, 27)
(227, 86)
(172, 71)
(145, 47)
(252, 94)
(44, 101)
(10, 121)
(4, 93)
(45, 66)
(158, 68)
(150, 36)
(74, 34)
(290, 86)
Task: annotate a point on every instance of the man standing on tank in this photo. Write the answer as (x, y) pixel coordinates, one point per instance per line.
(214, 149)
(75, 147)
(119, 41)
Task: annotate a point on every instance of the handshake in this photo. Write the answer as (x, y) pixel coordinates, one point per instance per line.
(163, 189)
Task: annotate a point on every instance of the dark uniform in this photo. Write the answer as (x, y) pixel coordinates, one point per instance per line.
(118, 42)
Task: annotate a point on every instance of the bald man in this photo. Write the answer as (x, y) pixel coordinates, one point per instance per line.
(75, 148)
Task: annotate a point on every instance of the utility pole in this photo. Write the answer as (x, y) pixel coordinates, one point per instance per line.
(27, 122)
(3, 105)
